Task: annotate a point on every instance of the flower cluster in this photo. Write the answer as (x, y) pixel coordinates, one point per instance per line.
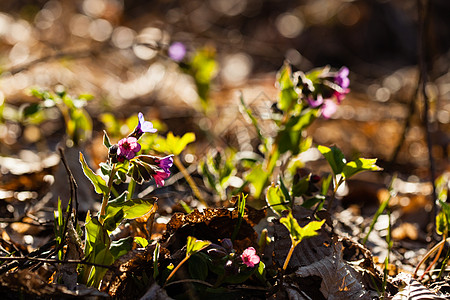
(128, 147)
(320, 93)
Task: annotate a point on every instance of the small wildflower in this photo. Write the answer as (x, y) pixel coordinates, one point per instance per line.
(165, 163)
(328, 108)
(177, 51)
(160, 176)
(314, 102)
(249, 257)
(341, 79)
(128, 147)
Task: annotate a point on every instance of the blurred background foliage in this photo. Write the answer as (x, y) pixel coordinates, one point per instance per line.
(116, 50)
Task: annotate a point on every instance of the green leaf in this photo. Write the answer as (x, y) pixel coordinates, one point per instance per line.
(193, 245)
(276, 199)
(287, 95)
(121, 247)
(359, 165)
(335, 158)
(298, 233)
(301, 187)
(97, 181)
(198, 267)
(173, 144)
(253, 120)
(106, 140)
(141, 241)
(291, 136)
(441, 223)
(132, 208)
(326, 184)
(258, 178)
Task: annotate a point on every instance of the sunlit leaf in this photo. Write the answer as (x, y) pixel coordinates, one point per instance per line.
(276, 199)
(141, 241)
(335, 158)
(359, 165)
(298, 233)
(97, 181)
(441, 223)
(193, 245)
(106, 140)
(258, 178)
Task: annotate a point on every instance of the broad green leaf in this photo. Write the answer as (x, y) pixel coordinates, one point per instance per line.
(301, 187)
(186, 139)
(193, 245)
(143, 242)
(258, 178)
(291, 136)
(276, 199)
(97, 181)
(359, 165)
(173, 144)
(284, 189)
(113, 219)
(298, 233)
(121, 247)
(261, 272)
(198, 267)
(442, 187)
(335, 158)
(132, 208)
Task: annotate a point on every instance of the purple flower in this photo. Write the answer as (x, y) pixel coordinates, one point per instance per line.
(314, 102)
(341, 78)
(145, 126)
(329, 107)
(249, 257)
(160, 176)
(128, 147)
(177, 51)
(165, 163)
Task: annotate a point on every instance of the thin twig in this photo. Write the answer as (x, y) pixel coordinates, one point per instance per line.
(54, 261)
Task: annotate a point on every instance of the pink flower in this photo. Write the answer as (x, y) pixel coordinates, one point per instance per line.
(128, 147)
(341, 79)
(160, 176)
(329, 108)
(249, 257)
(145, 126)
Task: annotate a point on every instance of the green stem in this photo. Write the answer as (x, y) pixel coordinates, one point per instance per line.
(106, 195)
(131, 187)
(429, 253)
(189, 180)
(288, 257)
(341, 180)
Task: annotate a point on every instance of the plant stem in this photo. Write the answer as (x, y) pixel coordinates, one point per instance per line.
(434, 260)
(106, 195)
(176, 269)
(131, 187)
(429, 253)
(341, 180)
(189, 180)
(288, 257)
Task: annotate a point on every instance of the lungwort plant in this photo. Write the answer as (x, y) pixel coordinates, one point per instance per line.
(124, 164)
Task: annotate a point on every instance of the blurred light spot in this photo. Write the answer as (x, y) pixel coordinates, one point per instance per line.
(382, 94)
(443, 116)
(55, 7)
(236, 68)
(416, 149)
(123, 37)
(150, 38)
(50, 179)
(347, 112)
(312, 154)
(94, 8)
(19, 31)
(100, 30)
(432, 90)
(44, 19)
(235, 181)
(349, 15)
(9, 207)
(293, 56)
(382, 222)
(32, 134)
(393, 83)
(5, 23)
(28, 239)
(404, 201)
(177, 51)
(2, 97)
(289, 25)
(79, 25)
(229, 7)
(22, 196)
(19, 53)
(7, 194)
(189, 158)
